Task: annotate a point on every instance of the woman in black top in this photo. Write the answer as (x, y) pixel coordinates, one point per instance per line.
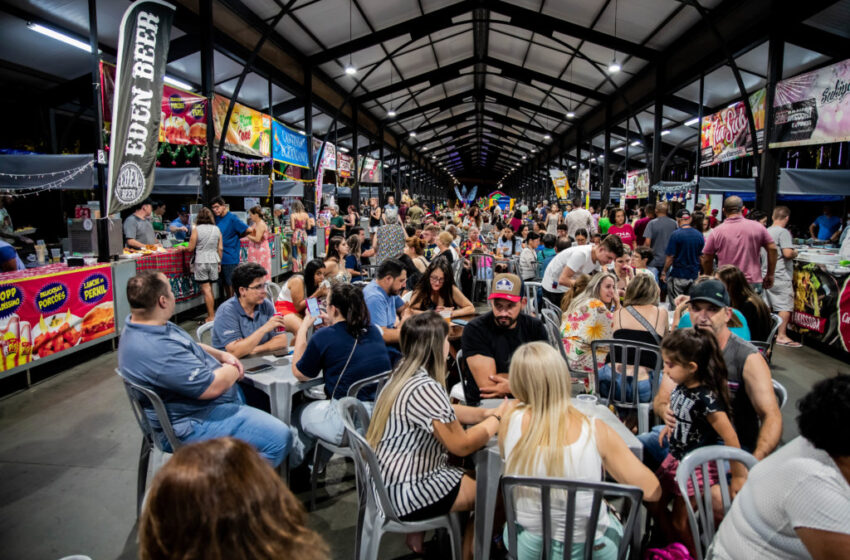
(436, 291)
(744, 299)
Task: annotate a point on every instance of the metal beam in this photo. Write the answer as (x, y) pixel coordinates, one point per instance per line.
(433, 77)
(818, 40)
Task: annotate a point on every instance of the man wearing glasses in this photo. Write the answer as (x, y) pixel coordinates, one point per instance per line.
(246, 323)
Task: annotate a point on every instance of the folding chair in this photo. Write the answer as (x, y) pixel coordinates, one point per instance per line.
(702, 521)
(204, 329)
(623, 356)
(781, 393)
(141, 399)
(377, 516)
(272, 291)
(342, 448)
(533, 293)
(551, 306)
(482, 272)
(631, 498)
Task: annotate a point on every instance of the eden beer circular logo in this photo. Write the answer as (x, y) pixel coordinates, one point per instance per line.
(131, 183)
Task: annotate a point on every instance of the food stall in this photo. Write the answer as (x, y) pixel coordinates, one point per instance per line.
(819, 282)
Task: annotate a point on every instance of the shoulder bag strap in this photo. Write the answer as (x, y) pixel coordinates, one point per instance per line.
(646, 324)
(345, 367)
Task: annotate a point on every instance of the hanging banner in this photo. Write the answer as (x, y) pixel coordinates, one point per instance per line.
(328, 156)
(562, 186)
(184, 114)
(637, 183)
(725, 135)
(584, 180)
(142, 51)
(53, 309)
(370, 172)
(289, 146)
(843, 315)
(345, 162)
(249, 131)
(813, 108)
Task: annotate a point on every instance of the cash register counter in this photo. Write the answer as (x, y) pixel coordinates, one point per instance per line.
(822, 298)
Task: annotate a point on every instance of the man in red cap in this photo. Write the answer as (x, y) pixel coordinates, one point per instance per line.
(489, 341)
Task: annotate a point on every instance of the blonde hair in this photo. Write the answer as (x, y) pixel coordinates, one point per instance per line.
(577, 288)
(541, 382)
(642, 290)
(445, 238)
(591, 292)
(422, 339)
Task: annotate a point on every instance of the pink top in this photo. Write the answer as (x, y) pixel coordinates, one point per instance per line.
(737, 242)
(625, 233)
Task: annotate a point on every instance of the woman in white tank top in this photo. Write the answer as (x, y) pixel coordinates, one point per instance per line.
(583, 447)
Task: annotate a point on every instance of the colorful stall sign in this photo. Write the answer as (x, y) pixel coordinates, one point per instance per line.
(637, 183)
(584, 180)
(843, 315)
(184, 117)
(328, 155)
(345, 163)
(289, 146)
(725, 135)
(249, 131)
(561, 184)
(815, 292)
(813, 108)
(45, 314)
(370, 172)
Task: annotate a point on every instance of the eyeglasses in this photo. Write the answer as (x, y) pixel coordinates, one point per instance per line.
(437, 280)
(262, 286)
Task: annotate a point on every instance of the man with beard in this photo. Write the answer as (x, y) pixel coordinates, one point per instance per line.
(489, 341)
(382, 300)
(755, 410)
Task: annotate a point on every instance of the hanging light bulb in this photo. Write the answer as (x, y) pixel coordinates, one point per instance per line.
(614, 67)
(350, 69)
(570, 114)
(391, 113)
(547, 137)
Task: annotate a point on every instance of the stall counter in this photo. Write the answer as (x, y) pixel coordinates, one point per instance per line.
(820, 285)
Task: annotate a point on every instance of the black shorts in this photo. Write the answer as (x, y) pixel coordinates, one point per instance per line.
(440, 507)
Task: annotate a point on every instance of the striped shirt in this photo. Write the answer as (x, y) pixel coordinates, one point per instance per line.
(413, 462)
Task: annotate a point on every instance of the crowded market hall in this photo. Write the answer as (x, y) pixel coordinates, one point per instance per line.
(394, 279)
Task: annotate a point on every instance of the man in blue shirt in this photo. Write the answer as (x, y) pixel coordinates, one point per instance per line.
(826, 226)
(196, 383)
(683, 257)
(232, 229)
(181, 227)
(246, 323)
(381, 295)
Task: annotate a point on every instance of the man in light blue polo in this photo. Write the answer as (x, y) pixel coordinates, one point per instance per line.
(246, 323)
(196, 383)
(381, 295)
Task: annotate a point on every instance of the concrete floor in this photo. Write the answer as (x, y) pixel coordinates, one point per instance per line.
(69, 449)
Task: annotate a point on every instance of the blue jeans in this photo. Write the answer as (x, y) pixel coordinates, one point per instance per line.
(644, 387)
(653, 452)
(271, 437)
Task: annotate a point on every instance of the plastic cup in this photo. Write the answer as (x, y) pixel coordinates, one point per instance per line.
(447, 316)
(586, 404)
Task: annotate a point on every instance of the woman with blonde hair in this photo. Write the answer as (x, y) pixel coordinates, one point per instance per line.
(575, 290)
(543, 435)
(219, 500)
(589, 318)
(414, 427)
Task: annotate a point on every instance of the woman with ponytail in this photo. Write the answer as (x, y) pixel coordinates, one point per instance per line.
(414, 427)
(348, 350)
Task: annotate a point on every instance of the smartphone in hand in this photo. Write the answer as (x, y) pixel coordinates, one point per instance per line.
(313, 307)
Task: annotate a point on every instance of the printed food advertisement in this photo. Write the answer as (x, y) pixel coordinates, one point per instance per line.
(249, 131)
(184, 117)
(725, 135)
(45, 315)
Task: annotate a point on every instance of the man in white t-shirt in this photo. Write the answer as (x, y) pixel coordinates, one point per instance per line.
(780, 296)
(796, 502)
(569, 264)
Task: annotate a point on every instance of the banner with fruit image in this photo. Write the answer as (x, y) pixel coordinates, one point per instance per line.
(249, 132)
(51, 313)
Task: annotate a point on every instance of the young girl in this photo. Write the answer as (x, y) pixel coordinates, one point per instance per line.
(544, 435)
(640, 259)
(700, 404)
(623, 271)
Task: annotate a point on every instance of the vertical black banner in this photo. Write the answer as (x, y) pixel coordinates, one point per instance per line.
(137, 103)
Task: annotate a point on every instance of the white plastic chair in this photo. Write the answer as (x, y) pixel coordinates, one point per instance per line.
(343, 449)
(272, 291)
(625, 355)
(142, 398)
(377, 515)
(204, 329)
(702, 520)
(457, 392)
(631, 497)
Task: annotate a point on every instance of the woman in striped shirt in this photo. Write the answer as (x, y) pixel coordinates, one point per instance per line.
(414, 427)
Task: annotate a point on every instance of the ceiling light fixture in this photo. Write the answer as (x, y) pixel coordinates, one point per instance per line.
(665, 132)
(614, 67)
(635, 143)
(53, 34)
(570, 114)
(177, 83)
(547, 137)
(618, 150)
(692, 122)
(413, 134)
(350, 69)
(391, 113)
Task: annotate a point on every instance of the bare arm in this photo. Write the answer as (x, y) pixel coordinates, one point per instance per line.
(566, 277)
(668, 262)
(661, 403)
(462, 442)
(135, 244)
(251, 344)
(723, 426)
(812, 233)
(789, 253)
(760, 391)
(193, 241)
(824, 545)
(463, 306)
(225, 377)
(707, 264)
(301, 346)
(491, 384)
(618, 460)
(467, 415)
(257, 233)
(220, 247)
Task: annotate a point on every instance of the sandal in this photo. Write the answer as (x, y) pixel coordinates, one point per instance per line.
(790, 344)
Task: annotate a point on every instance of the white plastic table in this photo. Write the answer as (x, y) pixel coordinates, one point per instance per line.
(488, 473)
(279, 383)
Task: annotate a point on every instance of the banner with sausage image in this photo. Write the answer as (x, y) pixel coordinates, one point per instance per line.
(142, 50)
(44, 315)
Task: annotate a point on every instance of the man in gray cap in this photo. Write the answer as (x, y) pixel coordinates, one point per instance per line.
(758, 421)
